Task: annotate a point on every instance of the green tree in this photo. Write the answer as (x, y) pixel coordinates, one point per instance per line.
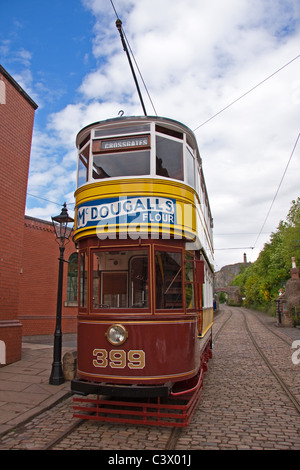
(261, 281)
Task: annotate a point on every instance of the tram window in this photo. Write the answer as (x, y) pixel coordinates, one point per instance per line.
(83, 166)
(168, 275)
(109, 131)
(138, 295)
(114, 289)
(121, 164)
(169, 158)
(197, 179)
(190, 163)
(83, 280)
(172, 132)
(120, 279)
(189, 280)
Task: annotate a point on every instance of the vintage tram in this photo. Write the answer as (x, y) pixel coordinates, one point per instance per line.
(143, 229)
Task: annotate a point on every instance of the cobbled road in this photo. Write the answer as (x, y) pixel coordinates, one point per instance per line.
(243, 405)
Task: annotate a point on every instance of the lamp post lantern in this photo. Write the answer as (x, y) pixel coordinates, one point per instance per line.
(62, 234)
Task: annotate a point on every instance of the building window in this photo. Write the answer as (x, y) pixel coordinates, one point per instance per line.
(72, 281)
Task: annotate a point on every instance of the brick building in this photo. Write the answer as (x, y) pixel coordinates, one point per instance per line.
(28, 251)
(16, 117)
(39, 280)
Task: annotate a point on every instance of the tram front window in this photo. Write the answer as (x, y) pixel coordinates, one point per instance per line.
(121, 164)
(120, 279)
(83, 166)
(168, 274)
(169, 161)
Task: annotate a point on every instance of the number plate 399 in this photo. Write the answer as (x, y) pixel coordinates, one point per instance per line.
(119, 359)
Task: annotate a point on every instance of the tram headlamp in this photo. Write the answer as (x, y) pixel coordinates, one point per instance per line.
(116, 334)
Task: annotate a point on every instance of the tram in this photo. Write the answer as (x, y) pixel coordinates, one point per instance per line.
(144, 233)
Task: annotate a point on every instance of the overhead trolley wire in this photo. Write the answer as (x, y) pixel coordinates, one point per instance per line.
(235, 248)
(292, 153)
(223, 109)
(205, 122)
(112, 4)
(274, 198)
(47, 200)
(247, 92)
(43, 199)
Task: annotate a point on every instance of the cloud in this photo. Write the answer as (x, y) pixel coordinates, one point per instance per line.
(196, 59)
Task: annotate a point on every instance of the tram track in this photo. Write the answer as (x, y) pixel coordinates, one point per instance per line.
(220, 329)
(175, 432)
(83, 434)
(63, 435)
(276, 375)
(284, 339)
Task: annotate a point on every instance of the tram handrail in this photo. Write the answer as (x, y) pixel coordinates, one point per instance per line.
(173, 280)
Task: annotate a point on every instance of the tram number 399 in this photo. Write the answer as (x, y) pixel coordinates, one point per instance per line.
(119, 359)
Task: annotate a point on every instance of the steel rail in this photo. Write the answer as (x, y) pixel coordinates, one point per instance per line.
(281, 382)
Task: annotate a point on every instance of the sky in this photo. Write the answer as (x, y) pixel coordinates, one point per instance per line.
(229, 70)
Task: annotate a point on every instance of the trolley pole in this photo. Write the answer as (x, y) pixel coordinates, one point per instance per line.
(119, 26)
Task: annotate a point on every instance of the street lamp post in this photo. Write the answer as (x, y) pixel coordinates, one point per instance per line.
(62, 234)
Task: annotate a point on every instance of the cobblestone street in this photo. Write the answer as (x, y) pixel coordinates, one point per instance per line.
(243, 406)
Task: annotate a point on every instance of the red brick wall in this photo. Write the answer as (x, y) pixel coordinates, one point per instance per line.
(39, 281)
(16, 124)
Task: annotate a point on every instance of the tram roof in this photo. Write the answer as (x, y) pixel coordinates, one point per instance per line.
(128, 119)
(162, 120)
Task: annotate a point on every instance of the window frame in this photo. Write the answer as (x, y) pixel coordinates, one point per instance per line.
(170, 138)
(83, 291)
(190, 156)
(97, 150)
(144, 252)
(198, 279)
(168, 249)
(83, 161)
(152, 131)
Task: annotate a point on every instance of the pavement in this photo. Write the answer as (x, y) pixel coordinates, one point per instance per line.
(24, 385)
